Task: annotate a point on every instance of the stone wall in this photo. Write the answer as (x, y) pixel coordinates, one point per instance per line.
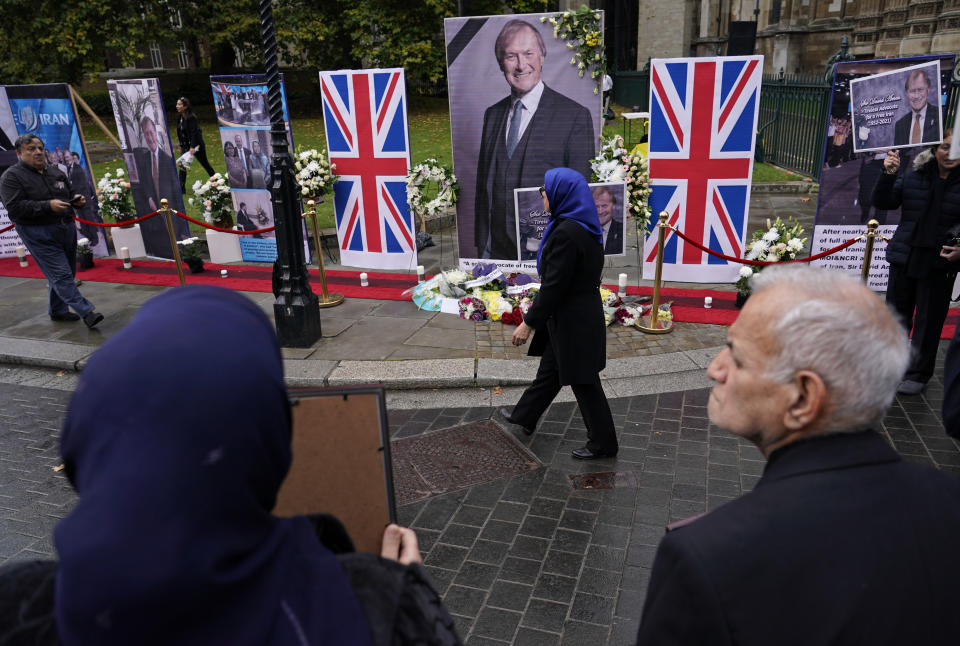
(801, 35)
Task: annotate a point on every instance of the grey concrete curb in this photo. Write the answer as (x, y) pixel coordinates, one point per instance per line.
(622, 377)
(44, 354)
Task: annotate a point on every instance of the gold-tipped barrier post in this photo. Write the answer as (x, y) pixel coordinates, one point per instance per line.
(868, 250)
(654, 327)
(326, 298)
(168, 218)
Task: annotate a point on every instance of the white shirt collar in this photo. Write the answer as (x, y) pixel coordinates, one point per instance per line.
(531, 99)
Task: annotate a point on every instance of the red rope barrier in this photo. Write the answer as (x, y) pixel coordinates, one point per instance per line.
(5, 229)
(764, 263)
(210, 226)
(125, 223)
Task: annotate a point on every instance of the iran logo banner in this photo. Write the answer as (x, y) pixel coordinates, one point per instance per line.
(365, 115)
(703, 121)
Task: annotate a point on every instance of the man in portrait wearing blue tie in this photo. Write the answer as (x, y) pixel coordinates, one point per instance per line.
(528, 132)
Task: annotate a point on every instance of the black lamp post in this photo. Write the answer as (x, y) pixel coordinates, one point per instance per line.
(296, 309)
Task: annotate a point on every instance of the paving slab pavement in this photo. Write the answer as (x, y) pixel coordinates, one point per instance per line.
(527, 559)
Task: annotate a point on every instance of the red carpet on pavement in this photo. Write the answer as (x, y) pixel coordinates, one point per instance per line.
(248, 278)
(687, 304)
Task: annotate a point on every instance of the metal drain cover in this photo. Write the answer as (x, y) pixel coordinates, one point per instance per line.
(455, 458)
(604, 480)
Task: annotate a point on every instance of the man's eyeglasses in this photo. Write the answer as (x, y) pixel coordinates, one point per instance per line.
(543, 192)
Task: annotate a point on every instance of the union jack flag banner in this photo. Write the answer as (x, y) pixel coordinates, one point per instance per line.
(703, 118)
(365, 114)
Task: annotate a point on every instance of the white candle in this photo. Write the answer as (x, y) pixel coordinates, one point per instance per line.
(363, 279)
(22, 255)
(622, 285)
(125, 256)
(223, 273)
(420, 273)
(708, 302)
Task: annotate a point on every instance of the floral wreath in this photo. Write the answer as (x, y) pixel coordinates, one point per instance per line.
(581, 30)
(427, 171)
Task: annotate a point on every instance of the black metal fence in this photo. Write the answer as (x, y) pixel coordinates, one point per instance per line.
(793, 116)
(792, 122)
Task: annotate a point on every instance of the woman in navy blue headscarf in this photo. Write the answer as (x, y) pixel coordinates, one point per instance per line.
(568, 315)
(177, 441)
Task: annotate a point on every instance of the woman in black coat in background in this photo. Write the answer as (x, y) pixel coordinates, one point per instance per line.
(188, 133)
(567, 314)
(923, 262)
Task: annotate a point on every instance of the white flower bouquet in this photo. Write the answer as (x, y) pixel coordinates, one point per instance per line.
(314, 173)
(213, 196)
(116, 200)
(614, 164)
(781, 241)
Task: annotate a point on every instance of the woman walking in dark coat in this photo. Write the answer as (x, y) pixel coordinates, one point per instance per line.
(568, 315)
(188, 133)
(923, 263)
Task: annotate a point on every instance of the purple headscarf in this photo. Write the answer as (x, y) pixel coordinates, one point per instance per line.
(570, 199)
(177, 441)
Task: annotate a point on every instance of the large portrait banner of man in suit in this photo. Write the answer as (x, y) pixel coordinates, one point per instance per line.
(868, 100)
(151, 165)
(897, 108)
(47, 111)
(518, 107)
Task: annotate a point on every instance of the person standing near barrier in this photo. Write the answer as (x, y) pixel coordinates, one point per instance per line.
(923, 260)
(571, 338)
(40, 202)
(190, 138)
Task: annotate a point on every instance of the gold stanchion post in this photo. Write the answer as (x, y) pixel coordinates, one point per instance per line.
(654, 327)
(326, 298)
(868, 251)
(168, 217)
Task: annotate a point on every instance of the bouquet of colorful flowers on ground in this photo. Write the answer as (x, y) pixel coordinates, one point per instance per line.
(214, 196)
(314, 173)
(472, 308)
(781, 241)
(113, 192)
(614, 164)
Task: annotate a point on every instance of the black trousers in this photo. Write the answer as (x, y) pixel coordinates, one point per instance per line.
(931, 298)
(601, 434)
(200, 156)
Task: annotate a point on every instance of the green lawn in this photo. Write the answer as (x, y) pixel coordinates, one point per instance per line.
(429, 137)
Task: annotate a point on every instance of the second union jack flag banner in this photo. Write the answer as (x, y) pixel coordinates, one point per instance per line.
(703, 120)
(365, 114)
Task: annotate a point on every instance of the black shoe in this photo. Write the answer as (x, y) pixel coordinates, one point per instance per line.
(585, 453)
(92, 318)
(65, 316)
(505, 414)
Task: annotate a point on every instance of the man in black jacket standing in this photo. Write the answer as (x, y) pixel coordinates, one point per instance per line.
(40, 202)
(841, 541)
